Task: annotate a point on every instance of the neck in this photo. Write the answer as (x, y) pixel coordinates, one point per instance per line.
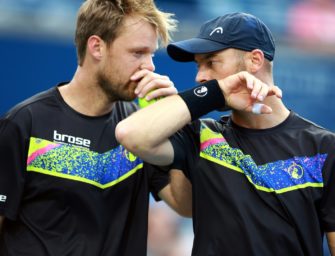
(264, 121)
(84, 95)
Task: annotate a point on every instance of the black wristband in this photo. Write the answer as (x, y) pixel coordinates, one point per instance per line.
(203, 98)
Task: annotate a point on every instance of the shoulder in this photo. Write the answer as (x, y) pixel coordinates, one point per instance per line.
(311, 127)
(212, 124)
(24, 108)
(311, 132)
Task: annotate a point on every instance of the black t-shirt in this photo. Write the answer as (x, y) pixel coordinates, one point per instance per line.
(259, 192)
(67, 187)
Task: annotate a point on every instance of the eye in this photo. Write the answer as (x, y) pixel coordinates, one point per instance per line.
(141, 54)
(138, 54)
(210, 63)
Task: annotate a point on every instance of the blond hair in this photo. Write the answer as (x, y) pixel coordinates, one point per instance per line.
(104, 18)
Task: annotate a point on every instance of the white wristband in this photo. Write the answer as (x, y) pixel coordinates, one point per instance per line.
(257, 108)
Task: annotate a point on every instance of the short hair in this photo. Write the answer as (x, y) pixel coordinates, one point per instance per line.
(104, 18)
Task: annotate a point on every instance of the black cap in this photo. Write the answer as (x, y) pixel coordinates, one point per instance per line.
(236, 30)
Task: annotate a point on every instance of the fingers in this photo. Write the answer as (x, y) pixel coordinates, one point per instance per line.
(259, 90)
(245, 92)
(152, 85)
(142, 77)
(262, 90)
(275, 90)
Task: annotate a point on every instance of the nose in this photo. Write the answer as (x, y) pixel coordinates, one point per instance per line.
(148, 64)
(202, 75)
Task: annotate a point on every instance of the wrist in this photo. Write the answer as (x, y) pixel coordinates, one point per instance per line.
(203, 99)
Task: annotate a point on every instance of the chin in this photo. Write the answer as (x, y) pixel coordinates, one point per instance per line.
(129, 97)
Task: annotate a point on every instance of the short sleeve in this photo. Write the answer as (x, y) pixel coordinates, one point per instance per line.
(159, 179)
(327, 206)
(186, 147)
(12, 166)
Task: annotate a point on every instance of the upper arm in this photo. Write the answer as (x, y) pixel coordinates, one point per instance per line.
(331, 242)
(162, 154)
(178, 194)
(327, 206)
(13, 157)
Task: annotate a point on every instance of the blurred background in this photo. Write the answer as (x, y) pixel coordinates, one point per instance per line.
(37, 52)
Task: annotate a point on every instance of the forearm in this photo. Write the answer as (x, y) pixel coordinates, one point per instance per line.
(182, 191)
(146, 132)
(331, 242)
(178, 194)
(142, 132)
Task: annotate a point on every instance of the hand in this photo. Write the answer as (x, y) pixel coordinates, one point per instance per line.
(158, 85)
(243, 91)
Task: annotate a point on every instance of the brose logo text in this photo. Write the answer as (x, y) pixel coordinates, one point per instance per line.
(71, 139)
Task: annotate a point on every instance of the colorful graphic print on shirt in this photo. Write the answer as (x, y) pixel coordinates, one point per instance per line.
(279, 177)
(81, 164)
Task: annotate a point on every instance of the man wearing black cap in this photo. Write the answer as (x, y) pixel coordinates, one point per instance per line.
(67, 187)
(261, 184)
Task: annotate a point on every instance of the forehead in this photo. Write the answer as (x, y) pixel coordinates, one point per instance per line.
(137, 32)
(137, 26)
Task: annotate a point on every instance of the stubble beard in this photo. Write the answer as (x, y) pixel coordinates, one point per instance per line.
(115, 91)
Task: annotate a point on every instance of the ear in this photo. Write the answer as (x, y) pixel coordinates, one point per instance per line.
(256, 60)
(95, 47)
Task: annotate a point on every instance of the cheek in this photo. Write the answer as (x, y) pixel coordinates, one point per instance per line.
(127, 69)
(115, 71)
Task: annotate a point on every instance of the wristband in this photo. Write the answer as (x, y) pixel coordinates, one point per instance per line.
(203, 98)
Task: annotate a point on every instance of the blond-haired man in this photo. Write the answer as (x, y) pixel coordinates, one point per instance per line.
(66, 186)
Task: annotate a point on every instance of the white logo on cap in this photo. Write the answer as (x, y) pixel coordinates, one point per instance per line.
(201, 91)
(216, 30)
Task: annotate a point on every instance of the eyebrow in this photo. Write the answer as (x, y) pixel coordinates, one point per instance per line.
(207, 56)
(143, 48)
